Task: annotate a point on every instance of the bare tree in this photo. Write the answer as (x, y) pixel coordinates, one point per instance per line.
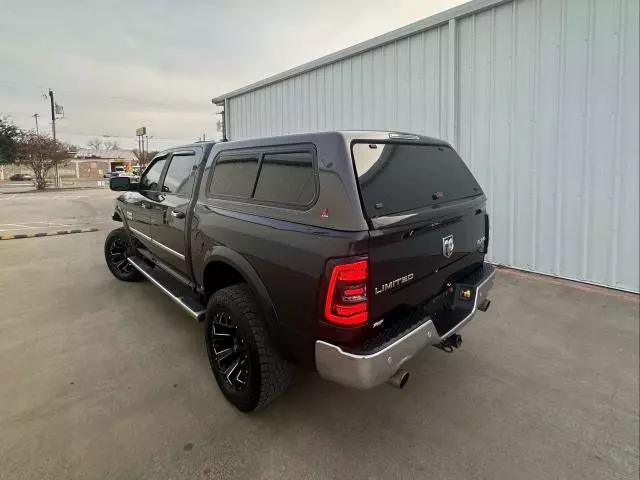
(112, 145)
(40, 153)
(144, 157)
(95, 143)
(140, 156)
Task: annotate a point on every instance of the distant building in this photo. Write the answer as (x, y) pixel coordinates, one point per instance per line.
(92, 163)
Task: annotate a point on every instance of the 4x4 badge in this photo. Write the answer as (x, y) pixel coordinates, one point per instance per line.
(447, 246)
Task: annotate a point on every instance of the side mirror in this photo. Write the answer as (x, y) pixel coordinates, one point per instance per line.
(122, 184)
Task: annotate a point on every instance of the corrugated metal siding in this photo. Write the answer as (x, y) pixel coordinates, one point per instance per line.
(544, 111)
(548, 121)
(403, 85)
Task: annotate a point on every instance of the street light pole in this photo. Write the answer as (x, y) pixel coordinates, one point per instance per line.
(35, 115)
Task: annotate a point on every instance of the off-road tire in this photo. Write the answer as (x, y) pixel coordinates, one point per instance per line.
(269, 374)
(122, 271)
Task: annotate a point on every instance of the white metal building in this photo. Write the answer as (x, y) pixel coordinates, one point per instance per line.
(540, 97)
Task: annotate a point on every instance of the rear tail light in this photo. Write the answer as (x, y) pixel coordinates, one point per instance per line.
(347, 303)
(486, 233)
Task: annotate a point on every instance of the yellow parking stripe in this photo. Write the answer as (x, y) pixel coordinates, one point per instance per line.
(17, 236)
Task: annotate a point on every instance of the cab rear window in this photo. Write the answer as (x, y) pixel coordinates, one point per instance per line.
(398, 177)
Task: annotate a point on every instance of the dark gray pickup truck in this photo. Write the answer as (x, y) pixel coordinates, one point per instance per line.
(343, 252)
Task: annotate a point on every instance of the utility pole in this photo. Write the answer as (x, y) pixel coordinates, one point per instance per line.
(53, 130)
(35, 115)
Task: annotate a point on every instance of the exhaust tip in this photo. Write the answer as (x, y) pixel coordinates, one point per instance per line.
(404, 379)
(399, 379)
(485, 305)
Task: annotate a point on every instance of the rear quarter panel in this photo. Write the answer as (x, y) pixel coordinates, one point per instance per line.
(289, 260)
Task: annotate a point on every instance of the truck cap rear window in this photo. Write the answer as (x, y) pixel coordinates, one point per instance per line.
(397, 177)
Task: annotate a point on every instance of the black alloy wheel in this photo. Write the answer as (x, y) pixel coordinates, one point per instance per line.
(246, 365)
(116, 251)
(229, 351)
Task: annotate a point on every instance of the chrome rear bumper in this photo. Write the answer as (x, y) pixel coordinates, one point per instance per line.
(367, 371)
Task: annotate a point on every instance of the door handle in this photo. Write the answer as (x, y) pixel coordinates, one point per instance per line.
(146, 205)
(178, 214)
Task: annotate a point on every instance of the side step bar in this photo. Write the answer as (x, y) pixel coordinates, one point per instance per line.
(189, 304)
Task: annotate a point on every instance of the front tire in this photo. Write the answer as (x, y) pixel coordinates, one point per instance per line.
(247, 367)
(116, 251)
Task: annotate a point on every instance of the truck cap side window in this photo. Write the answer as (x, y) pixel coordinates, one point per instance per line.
(286, 178)
(234, 175)
(397, 177)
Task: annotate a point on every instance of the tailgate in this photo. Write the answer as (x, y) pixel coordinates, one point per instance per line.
(411, 263)
(428, 224)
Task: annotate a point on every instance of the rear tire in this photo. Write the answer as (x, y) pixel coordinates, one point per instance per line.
(116, 251)
(247, 367)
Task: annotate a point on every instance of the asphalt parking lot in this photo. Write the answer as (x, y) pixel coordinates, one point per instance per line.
(103, 379)
(55, 210)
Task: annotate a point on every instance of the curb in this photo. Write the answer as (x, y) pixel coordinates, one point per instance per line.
(49, 190)
(46, 234)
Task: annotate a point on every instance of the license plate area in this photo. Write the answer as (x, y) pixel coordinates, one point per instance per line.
(463, 296)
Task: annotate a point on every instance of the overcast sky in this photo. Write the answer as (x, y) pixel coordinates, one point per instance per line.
(116, 65)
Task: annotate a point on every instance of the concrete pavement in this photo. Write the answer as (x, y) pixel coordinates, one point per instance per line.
(103, 379)
(56, 210)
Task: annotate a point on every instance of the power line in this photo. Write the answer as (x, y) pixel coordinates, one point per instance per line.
(128, 100)
(121, 136)
(118, 98)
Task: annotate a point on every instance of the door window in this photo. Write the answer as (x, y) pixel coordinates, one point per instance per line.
(181, 175)
(150, 179)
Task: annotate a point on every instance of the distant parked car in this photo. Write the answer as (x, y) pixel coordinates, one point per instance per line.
(119, 171)
(18, 177)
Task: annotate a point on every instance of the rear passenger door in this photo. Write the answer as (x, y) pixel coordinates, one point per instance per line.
(170, 210)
